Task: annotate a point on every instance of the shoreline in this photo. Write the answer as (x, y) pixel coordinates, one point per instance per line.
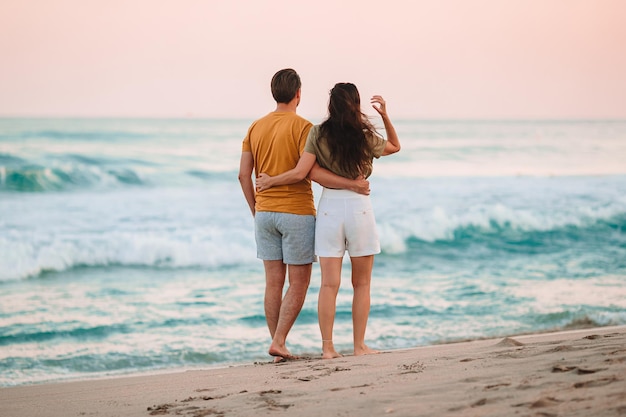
(581, 325)
(560, 373)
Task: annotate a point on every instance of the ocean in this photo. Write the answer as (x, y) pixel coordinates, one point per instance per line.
(126, 245)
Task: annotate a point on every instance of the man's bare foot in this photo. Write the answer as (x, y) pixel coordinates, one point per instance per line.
(364, 350)
(281, 352)
(278, 359)
(328, 350)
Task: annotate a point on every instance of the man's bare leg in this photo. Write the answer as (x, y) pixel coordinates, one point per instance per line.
(299, 278)
(274, 284)
(361, 280)
(327, 303)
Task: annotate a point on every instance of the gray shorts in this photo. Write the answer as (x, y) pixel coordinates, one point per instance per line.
(286, 237)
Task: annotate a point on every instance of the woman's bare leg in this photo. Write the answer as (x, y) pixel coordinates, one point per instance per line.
(327, 303)
(361, 280)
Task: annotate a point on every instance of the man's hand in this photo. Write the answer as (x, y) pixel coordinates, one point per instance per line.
(361, 186)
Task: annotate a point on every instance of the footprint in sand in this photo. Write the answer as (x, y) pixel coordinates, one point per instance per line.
(545, 402)
(496, 386)
(271, 402)
(562, 368)
(184, 406)
(596, 382)
(579, 371)
(160, 409)
(350, 387)
(469, 359)
(585, 371)
(413, 368)
(563, 348)
(542, 402)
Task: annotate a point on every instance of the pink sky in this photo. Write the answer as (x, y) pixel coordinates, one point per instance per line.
(214, 58)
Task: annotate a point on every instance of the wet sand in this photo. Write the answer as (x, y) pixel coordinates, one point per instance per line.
(571, 373)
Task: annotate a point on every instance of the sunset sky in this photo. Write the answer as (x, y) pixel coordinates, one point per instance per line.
(214, 58)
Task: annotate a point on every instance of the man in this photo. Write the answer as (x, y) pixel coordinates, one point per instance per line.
(284, 216)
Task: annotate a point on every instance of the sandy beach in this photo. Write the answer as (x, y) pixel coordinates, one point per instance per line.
(571, 373)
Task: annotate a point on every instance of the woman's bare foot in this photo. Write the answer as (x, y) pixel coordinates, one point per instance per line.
(364, 350)
(328, 350)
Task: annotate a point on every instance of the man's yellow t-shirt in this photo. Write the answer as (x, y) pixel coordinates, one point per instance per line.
(276, 142)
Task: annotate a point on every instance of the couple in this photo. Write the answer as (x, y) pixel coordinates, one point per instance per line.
(286, 152)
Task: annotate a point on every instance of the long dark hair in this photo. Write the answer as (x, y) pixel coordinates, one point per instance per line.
(345, 130)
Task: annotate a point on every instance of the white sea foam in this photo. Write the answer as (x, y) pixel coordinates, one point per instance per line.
(440, 223)
(22, 260)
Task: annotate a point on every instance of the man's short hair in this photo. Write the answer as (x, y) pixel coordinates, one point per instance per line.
(285, 85)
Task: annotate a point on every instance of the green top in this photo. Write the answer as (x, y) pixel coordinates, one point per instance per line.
(320, 149)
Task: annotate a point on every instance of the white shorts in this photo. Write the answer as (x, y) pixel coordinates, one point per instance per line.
(345, 221)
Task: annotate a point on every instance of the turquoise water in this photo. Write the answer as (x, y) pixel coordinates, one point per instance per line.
(126, 245)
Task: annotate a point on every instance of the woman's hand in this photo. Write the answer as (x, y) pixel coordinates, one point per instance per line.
(378, 103)
(393, 143)
(361, 186)
(263, 182)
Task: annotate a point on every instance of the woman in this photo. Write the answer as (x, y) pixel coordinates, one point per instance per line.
(346, 144)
